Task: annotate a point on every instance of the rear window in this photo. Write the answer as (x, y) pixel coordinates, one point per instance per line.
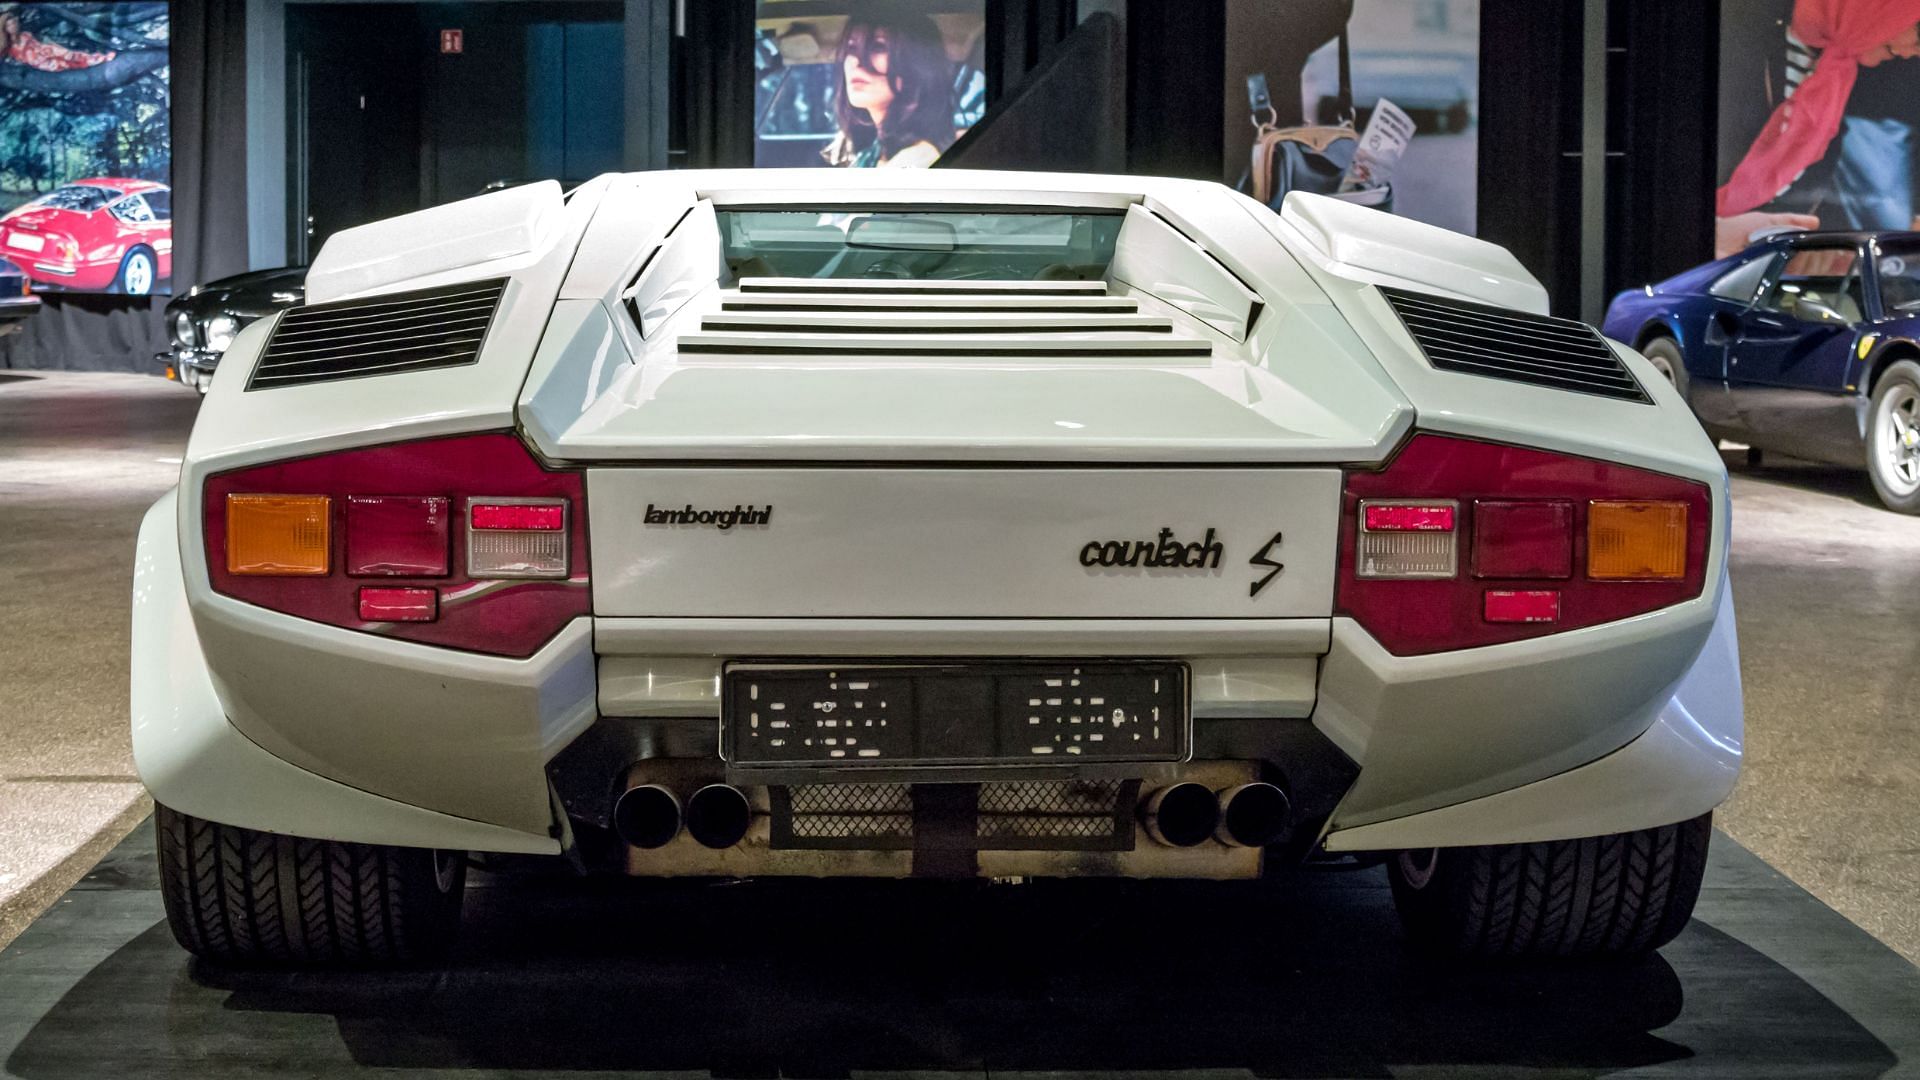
(922, 245)
(77, 197)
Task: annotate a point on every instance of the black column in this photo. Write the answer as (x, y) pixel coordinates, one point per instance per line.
(1662, 125)
(1176, 73)
(1530, 120)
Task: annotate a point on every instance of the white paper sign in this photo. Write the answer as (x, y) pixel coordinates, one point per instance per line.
(1388, 132)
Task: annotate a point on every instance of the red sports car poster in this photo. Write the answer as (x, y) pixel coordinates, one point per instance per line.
(85, 156)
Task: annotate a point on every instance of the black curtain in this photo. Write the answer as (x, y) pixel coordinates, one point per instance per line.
(81, 332)
(1531, 94)
(712, 123)
(1662, 137)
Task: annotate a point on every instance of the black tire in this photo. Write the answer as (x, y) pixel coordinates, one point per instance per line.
(1897, 391)
(144, 285)
(1615, 895)
(1664, 354)
(239, 896)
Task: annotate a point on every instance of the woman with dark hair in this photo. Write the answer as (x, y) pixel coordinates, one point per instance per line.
(895, 100)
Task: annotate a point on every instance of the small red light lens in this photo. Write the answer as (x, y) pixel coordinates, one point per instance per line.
(397, 536)
(379, 604)
(1531, 606)
(1405, 518)
(513, 516)
(1522, 539)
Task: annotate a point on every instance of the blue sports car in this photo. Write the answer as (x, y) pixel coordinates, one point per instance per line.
(1806, 343)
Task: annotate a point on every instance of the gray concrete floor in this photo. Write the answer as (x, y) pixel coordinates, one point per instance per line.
(81, 458)
(1826, 584)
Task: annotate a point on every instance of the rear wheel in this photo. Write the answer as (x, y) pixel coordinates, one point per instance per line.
(137, 273)
(1893, 438)
(247, 897)
(1612, 895)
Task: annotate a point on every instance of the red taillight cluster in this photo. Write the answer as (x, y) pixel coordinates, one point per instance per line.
(1459, 543)
(465, 542)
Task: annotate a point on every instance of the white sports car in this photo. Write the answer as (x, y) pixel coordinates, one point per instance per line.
(951, 524)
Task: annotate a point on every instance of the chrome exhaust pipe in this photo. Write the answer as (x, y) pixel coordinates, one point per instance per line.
(1253, 815)
(647, 816)
(1181, 815)
(718, 815)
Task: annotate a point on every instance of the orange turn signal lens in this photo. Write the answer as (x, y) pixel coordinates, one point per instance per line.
(1636, 541)
(278, 535)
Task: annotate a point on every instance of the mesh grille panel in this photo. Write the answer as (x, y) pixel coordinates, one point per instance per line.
(1049, 811)
(880, 814)
(1067, 815)
(382, 335)
(1501, 343)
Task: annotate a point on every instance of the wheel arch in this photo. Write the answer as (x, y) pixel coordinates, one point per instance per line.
(1889, 353)
(1660, 326)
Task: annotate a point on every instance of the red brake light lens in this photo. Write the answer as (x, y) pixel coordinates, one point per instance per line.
(1551, 542)
(548, 517)
(1530, 606)
(397, 536)
(1410, 517)
(389, 515)
(405, 604)
(1522, 539)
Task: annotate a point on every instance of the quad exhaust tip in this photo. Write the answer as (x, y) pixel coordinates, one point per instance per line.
(718, 815)
(1182, 815)
(647, 816)
(1253, 815)
(1244, 816)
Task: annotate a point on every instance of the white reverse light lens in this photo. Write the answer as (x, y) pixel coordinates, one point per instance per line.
(517, 538)
(220, 331)
(1408, 539)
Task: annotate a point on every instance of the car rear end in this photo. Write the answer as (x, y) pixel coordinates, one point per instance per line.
(1114, 545)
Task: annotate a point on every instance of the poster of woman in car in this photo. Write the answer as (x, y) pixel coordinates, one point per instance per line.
(877, 84)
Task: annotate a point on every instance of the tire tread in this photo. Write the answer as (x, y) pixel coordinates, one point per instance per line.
(1613, 895)
(248, 897)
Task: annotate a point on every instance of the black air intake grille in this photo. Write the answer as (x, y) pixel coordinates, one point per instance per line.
(1501, 343)
(381, 335)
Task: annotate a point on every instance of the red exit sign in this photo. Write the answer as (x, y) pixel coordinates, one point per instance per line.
(451, 41)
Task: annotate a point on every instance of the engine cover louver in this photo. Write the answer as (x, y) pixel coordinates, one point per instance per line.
(1033, 320)
(380, 335)
(1501, 343)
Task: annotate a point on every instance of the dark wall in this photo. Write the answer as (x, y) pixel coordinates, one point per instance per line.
(111, 333)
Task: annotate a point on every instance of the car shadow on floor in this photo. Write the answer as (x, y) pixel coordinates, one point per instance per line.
(1304, 977)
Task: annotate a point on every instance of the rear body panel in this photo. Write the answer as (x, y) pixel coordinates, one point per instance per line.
(962, 543)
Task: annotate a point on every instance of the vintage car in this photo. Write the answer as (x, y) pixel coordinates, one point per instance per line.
(202, 322)
(17, 301)
(97, 235)
(955, 524)
(1806, 343)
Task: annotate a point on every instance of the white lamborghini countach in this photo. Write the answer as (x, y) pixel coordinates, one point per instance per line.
(940, 524)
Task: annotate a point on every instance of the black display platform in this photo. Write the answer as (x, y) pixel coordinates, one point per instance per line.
(1309, 978)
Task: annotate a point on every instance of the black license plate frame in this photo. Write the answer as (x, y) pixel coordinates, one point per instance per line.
(919, 713)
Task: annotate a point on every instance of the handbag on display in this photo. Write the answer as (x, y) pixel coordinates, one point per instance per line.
(1310, 157)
